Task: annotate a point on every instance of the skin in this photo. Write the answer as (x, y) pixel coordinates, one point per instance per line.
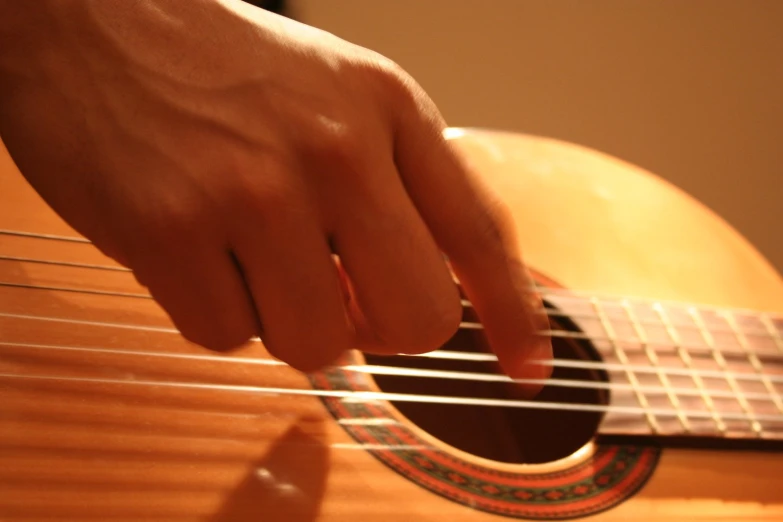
(261, 177)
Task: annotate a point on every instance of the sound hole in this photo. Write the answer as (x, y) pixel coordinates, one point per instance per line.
(505, 434)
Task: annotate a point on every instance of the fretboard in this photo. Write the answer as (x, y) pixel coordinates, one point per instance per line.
(678, 370)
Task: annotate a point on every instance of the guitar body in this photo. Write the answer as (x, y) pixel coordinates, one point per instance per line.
(104, 431)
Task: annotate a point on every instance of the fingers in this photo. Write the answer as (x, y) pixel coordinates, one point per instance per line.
(290, 273)
(390, 222)
(200, 288)
(390, 230)
(475, 231)
(404, 292)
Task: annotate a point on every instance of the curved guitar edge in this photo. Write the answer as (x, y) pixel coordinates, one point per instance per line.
(90, 451)
(598, 224)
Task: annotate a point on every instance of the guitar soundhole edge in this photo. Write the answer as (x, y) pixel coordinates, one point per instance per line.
(594, 482)
(505, 434)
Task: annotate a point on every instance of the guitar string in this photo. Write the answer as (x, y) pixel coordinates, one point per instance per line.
(82, 265)
(372, 369)
(90, 266)
(763, 332)
(39, 235)
(467, 325)
(475, 401)
(352, 396)
(459, 356)
(539, 289)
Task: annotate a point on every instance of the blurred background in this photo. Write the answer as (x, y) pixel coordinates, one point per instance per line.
(690, 90)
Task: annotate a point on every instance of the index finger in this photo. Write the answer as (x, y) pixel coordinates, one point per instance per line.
(474, 229)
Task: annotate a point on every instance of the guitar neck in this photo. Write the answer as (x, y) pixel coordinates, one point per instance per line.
(683, 372)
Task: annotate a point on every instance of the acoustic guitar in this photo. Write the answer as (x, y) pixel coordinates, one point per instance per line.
(665, 402)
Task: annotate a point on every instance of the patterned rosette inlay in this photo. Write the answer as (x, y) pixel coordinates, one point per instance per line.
(611, 475)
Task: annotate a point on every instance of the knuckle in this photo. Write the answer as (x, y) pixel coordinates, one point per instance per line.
(391, 79)
(401, 93)
(337, 143)
(343, 143)
(271, 198)
(267, 199)
(170, 225)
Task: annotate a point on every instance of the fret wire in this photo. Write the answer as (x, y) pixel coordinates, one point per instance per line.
(670, 370)
(718, 357)
(653, 358)
(688, 362)
(688, 346)
(691, 347)
(754, 360)
(773, 332)
(644, 322)
(617, 298)
(623, 358)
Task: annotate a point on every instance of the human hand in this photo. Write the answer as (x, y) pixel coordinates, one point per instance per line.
(228, 156)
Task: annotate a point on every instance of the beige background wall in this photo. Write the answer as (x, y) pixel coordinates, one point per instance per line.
(689, 89)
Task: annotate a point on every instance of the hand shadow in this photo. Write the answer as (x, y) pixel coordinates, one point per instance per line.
(288, 484)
